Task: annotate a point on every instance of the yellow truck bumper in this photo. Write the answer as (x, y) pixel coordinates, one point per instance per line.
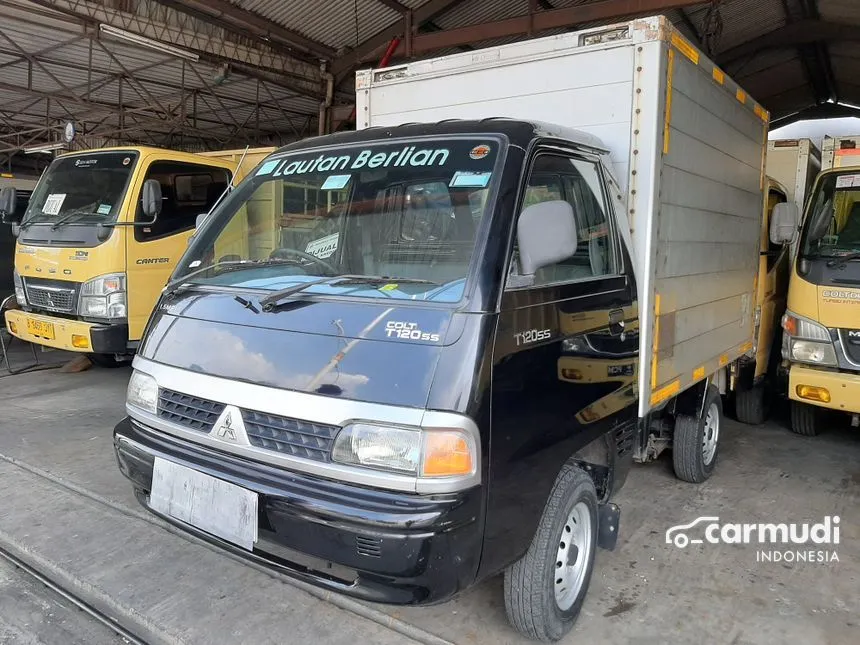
(843, 390)
(70, 335)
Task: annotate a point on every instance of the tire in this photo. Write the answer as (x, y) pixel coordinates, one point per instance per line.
(695, 444)
(108, 360)
(537, 604)
(751, 406)
(805, 419)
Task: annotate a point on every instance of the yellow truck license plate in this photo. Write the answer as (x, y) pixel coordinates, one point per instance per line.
(40, 328)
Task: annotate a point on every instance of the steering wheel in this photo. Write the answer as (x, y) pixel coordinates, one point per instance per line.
(305, 256)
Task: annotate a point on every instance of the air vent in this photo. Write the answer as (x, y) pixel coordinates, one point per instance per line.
(370, 547)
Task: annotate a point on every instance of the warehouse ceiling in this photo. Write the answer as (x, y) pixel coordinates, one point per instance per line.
(204, 74)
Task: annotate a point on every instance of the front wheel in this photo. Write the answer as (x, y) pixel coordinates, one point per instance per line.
(751, 406)
(805, 419)
(696, 440)
(544, 590)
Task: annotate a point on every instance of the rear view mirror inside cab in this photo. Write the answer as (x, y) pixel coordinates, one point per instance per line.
(546, 234)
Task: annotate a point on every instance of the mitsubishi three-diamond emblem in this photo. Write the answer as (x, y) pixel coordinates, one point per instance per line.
(230, 427)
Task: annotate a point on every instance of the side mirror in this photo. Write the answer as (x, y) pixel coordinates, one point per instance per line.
(201, 219)
(151, 199)
(546, 234)
(8, 203)
(783, 223)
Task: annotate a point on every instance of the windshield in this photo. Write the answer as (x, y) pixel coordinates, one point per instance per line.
(87, 188)
(398, 218)
(832, 226)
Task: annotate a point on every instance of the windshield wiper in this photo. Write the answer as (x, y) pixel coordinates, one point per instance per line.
(68, 217)
(272, 299)
(842, 260)
(233, 265)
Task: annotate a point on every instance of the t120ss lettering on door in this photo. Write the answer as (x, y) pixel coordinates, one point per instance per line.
(408, 331)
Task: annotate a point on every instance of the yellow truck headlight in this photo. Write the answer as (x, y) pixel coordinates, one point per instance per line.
(807, 351)
(807, 341)
(142, 392)
(104, 297)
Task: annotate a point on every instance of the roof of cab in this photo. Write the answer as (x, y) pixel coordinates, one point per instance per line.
(519, 132)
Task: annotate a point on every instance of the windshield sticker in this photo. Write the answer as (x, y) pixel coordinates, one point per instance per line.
(126, 161)
(479, 152)
(268, 167)
(85, 163)
(335, 182)
(54, 203)
(388, 287)
(405, 156)
(104, 209)
(847, 181)
(324, 247)
(465, 179)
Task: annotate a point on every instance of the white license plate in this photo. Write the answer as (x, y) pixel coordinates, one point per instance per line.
(205, 502)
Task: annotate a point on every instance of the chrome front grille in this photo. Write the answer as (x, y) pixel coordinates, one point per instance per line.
(282, 435)
(289, 436)
(188, 411)
(51, 295)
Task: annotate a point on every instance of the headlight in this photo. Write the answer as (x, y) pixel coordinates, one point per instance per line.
(143, 392)
(806, 341)
(436, 452)
(806, 351)
(104, 297)
(20, 294)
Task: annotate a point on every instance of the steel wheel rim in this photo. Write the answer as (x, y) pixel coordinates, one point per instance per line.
(572, 556)
(711, 434)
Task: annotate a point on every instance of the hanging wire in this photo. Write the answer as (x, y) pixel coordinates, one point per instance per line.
(355, 7)
(712, 27)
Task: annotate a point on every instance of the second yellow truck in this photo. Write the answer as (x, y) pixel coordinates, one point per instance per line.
(102, 233)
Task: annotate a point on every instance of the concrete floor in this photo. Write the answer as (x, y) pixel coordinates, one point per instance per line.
(67, 508)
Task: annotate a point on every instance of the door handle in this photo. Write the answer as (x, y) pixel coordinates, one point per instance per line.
(616, 322)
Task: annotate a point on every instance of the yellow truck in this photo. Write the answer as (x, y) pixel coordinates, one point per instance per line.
(103, 231)
(821, 327)
(754, 373)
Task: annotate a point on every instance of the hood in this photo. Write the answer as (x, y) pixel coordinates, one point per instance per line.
(74, 263)
(382, 352)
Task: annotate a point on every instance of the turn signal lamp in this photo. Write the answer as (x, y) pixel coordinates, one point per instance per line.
(80, 342)
(446, 453)
(813, 393)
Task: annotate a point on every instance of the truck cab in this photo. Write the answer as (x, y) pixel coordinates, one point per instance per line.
(821, 327)
(90, 260)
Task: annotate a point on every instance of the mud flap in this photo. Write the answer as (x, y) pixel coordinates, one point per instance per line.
(608, 518)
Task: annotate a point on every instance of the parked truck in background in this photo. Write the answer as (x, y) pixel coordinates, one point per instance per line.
(90, 260)
(821, 328)
(794, 163)
(438, 362)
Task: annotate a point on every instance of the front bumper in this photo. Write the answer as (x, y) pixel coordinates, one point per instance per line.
(58, 333)
(844, 388)
(383, 546)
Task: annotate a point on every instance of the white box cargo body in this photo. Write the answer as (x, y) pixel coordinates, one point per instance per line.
(688, 148)
(838, 152)
(795, 163)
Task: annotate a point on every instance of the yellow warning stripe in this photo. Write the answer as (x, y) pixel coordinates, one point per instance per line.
(719, 76)
(666, 392)
(747, 346)
(668, 118)
(699, 373)
(761, 112)
(741, 96)
(656, 341)
(685, 48)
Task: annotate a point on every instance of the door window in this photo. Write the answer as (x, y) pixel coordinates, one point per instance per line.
(577, 181)
(187, 190)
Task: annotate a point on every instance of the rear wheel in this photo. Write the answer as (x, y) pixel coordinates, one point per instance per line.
(695, 441)
(751, 406)
(544, 591)
(805, 419)
(109, 360)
